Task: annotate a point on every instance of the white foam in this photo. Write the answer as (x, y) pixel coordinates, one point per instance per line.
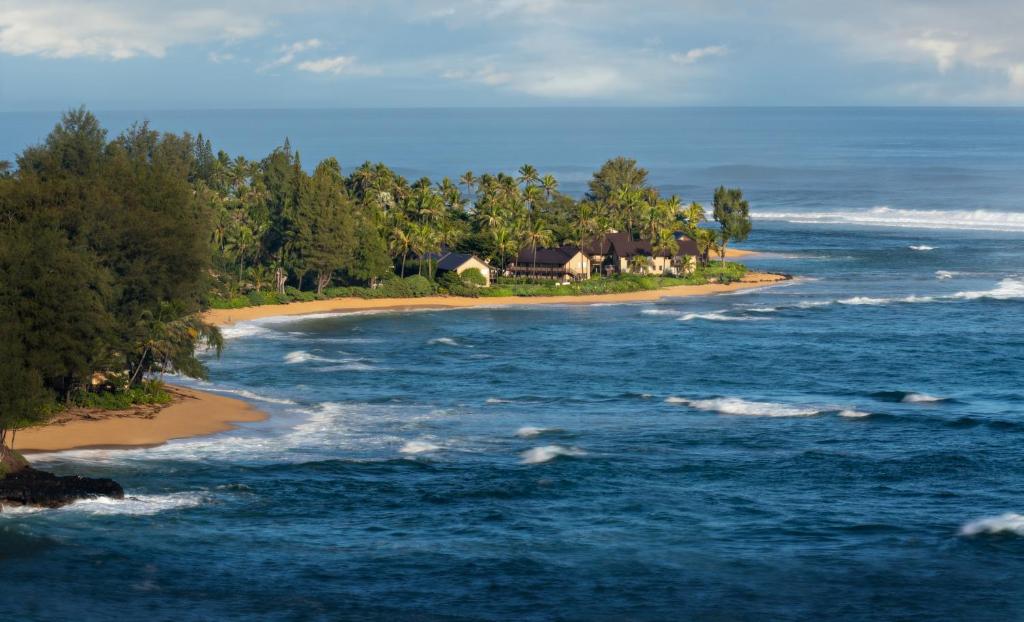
(243, 329)
(982, 220)
(944, 274)
(717, 316)
(539, 455)
(249, 395)
(532, 432)
(920, 398)
(444, 341)
(418, 447)
(1006, 289)
(669, 312)
(867, 300)
(921, 247)
(497, 400)
(350, 365)
(853, 413)
(737, 406)
(1006, 523)
(135, 505)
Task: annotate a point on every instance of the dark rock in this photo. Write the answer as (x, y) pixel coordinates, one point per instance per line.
(31, 487)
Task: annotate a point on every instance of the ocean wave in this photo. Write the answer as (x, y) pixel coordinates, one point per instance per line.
(352, 365)
(1009, 523)
(877, 302)
(444, 341)
(921, 247)
(853, 414)
(133, 505)
(244, 329)
(1006, 289)
(921, 398)
(717, 316)
(547, 453)
(982, 220)
(737, 406)
(418, 447)
(944, 274)
(659, 312)
(908, 397)
(533, 432)
(497, 400)
(249, 395)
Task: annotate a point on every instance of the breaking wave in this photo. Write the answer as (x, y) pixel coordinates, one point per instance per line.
(444, 341)
(134, 505)
(717, 316)
(539, 455)
(249, 395)
(737, 406)
(921, 247)
(944, 274)
(1010, 523)
(418, 447)
(1007, 289)
(533, 432)
(982, 220)
(849, 412)
(921, 398)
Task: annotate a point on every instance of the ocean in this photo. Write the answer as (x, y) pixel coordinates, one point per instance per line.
(847, 444)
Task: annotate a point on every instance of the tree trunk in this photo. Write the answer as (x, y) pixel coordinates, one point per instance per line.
(280, 279)
(322, 279)
(404, 256)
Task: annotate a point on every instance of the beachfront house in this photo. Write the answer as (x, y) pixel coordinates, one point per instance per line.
(621, 253)
(565, 263)
(460, 262)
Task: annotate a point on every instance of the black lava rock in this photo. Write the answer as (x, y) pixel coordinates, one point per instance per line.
(31, 487)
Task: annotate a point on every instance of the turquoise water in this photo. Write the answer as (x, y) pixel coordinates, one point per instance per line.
(844, 445)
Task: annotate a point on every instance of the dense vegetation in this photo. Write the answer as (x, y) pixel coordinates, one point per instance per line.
(110, 248)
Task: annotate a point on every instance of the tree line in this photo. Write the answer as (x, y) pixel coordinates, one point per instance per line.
(110, 247)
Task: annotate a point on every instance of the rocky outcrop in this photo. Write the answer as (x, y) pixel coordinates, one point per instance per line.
(31, 487)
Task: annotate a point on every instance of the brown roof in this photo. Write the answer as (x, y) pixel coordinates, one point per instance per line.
(623, 245)
(547, 256)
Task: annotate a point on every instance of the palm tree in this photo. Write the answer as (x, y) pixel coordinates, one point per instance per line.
(550, 185)
(664, 244)
(469, 181)
(528, 175)
(537, 234)
(239, 243)
(400, 241)
(584, 226)
(694, 215)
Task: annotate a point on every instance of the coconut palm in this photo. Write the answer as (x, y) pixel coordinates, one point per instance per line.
(400, 241)
(528, 175)
(550, 185)
(537, 234)
(469, 180)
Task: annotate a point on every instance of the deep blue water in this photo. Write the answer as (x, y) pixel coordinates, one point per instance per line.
(823, 448)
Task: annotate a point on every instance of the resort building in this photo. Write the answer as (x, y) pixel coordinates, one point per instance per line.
(565, 263)
(620, 253)
(459, 263)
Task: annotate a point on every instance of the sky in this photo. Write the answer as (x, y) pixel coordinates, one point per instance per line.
(226, 54)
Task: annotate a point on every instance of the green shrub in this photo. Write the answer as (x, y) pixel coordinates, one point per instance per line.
(419, 285)
(150, 392)
(474, 278)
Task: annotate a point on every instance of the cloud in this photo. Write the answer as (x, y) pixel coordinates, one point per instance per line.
(696, 54)
(336, 65)
(289, 52)
(117, 31)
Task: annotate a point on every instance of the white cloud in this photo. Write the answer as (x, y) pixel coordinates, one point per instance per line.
(289, 52)
(696, 54)
(336, 65)
(112, 30)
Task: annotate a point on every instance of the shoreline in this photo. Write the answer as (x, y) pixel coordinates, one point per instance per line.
(228, 317)
(200, 413)
(192, 413)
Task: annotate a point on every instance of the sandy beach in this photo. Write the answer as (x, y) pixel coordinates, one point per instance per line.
(227, 317)
(193, 413)
(197, 413)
